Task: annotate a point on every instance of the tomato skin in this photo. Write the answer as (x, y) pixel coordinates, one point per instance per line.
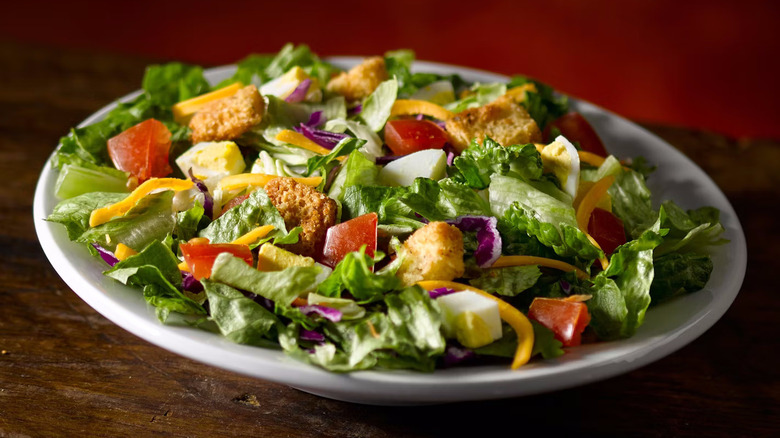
(567, 319)
(142, 150)
(238, 200)
(607, 229)
(406, 136)
(575, 128)
(200, 256)
(349, 236)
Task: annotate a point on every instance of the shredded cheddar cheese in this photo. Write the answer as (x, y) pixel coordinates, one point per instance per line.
(244, 180)
(183, 110)
(411, 107)
(102, 215)
(590, 200)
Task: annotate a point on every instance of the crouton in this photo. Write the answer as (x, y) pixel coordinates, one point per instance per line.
(434, 252)
(229, 117)
(503, 120)
(361, 80)
(305, 207)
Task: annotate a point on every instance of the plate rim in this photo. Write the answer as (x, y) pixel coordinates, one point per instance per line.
(381, 387)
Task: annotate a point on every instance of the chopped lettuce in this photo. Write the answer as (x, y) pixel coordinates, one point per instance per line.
(478, 163)
(377, 106)
(509, 281)
(239, 318)
(255, 211)
(443, 200)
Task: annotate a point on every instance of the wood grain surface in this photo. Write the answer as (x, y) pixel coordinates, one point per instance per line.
(67, 371)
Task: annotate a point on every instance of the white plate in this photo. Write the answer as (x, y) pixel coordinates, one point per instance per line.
(667, 327)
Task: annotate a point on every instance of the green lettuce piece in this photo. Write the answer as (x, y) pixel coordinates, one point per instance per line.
(74, 213)
(377, 106)
(399, 63)
(343, 148)
(239, 318)
(631, 273)
(543, 105)
(386, 202)
(188, 222)
(357, 171)
(677, 274)
(478, 163)
(544, 343)
(482, 95)
(257, 210)
(281, 287)
(373, 146)
(260, 68)
(155, 269)
(631, 202)
(549, 219)
(508, 281)
(354, 274)
(170, 83)
(691, 231)
(407, 336)
(443, 200)
(152, 218)
(280, 115)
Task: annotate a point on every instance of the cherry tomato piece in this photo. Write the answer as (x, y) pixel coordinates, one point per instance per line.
(234, 202)
(607, 229)
(575, 128)
(567, 319)
(349, 236)
(406, 136)
(200, 256)
(142, 150)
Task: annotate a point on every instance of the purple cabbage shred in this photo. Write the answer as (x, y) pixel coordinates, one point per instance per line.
(208, 201)
(189, 283)
(457, 355)
(316, 119)
(311, 335)
(299, 94)
(488, 237)
(105, 254)
(326, 139)
(386, 159)
(329, 313)
(440, 292)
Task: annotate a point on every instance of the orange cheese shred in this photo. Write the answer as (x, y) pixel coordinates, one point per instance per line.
(243, 180)
(589, 201)
(411, 107)
(507, 261)
(104, 214)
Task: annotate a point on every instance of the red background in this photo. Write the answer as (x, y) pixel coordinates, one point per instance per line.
(704, 64)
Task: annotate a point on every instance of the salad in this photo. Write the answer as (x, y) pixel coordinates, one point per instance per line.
(375, 217)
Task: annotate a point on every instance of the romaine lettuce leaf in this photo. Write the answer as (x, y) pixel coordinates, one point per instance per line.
(170, 83)
(74, 213)
(443, 200)
(508, 281)
(239, 318)
(543, 105)
(377, 106)
(152, 218)
(478, 163)
(678, 274)
(691, 231)
(257, 210)
(281, 287)
(355, 275)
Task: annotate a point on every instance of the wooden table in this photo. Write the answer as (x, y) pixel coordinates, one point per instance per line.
(66, 370)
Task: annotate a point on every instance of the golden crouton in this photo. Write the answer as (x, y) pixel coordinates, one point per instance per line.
(361, 80)
(228, 118)
(434, 252)
(305, 207)
(503, 120)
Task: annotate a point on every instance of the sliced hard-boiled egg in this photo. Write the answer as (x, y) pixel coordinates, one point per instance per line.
(429, 163)
(562, 160)
(285, 84)
(470, 318)
(439, 92)
(212, 160)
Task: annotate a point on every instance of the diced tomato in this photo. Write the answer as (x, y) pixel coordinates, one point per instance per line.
(408, 135)
(607, 229)
(349, 236)
(567, 319)
(576, 129)
(234, 202)
(200, 256)
(142, 150)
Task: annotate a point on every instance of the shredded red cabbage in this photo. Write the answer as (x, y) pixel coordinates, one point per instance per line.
(454, 355)
(189, 283)
(357, 109)
(208, 201)
(261, 300)
(419, 117)
(488, 237)
(105, 254)
(316, 119)
(451, 153)
(299, 93)
(440, 292)
(329, 313)
(325, 139)
(565, 286)
(386, 159)
(311, 335)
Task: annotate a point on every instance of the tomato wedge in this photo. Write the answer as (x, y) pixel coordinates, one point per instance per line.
(607, 229)
(567, 319)
(234, 202)
(405, 136)
(576, 129)
(349, 236)
(200, 256)
(142, 150)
